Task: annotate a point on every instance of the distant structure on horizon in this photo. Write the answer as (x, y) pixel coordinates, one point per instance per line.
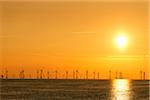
(77, 72)
(142, 75)
(141, 72)
(21, 74)
(56, 72)
(120, 75)
(66, 74)
(37, 72)
(94, 75)
(74, 75)
(98, 75)
(87, 74)
(41, 73)
(110, 74)
(48, 75)
(6, 74)
(116, 75)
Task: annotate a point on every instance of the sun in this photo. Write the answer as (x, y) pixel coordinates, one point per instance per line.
(121, 41)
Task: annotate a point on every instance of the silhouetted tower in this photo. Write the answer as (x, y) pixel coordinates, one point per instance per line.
(116, 75)
(110, 74)
(20, 74)
(23, 75)
(77, 74)
(6, 74)
(66, 74)
(73, 74)
(41, 74)
(98, 75)
(93, 75)
(48, 75)
(143, 75)
(30, 76)
(56, 72)
(120, 75)
(37, 74)
(87, 74)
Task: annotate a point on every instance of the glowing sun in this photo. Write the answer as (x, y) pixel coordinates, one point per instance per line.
(121, 41)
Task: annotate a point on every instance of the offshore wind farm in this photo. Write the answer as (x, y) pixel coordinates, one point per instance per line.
(74, 74)
(74, 50)
(52, 86)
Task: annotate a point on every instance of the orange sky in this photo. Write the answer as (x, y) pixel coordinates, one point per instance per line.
(74, 35)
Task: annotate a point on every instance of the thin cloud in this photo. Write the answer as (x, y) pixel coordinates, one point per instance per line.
(83, 33)
(74, 0)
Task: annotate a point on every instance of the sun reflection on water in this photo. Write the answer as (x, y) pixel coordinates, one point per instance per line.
(121, 89)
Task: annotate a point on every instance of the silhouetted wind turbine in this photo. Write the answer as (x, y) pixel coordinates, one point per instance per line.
(66, 74)
(93, 75)
(22, 76)
(37, 74)
(143, 75)
(98, 75)
(41, 74)
(73, 74)
(77, 74)
(116, 75)
(141, 72)
(6, 74)
(48, 75)
(56, 72)
(120, 75)
(87, 74)
(110, 74)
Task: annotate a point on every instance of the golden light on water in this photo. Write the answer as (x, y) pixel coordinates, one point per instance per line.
(121, 90)
(121, 85)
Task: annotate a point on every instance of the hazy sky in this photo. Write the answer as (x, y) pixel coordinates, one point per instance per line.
(74, 35)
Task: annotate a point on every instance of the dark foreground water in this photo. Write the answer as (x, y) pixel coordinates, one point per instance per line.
(33, 89)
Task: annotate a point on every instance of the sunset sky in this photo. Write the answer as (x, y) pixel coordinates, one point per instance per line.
(70, 35)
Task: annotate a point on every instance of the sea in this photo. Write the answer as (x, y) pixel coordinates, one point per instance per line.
(70, 89)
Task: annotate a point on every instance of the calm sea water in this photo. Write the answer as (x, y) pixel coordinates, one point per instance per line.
(36, 89)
